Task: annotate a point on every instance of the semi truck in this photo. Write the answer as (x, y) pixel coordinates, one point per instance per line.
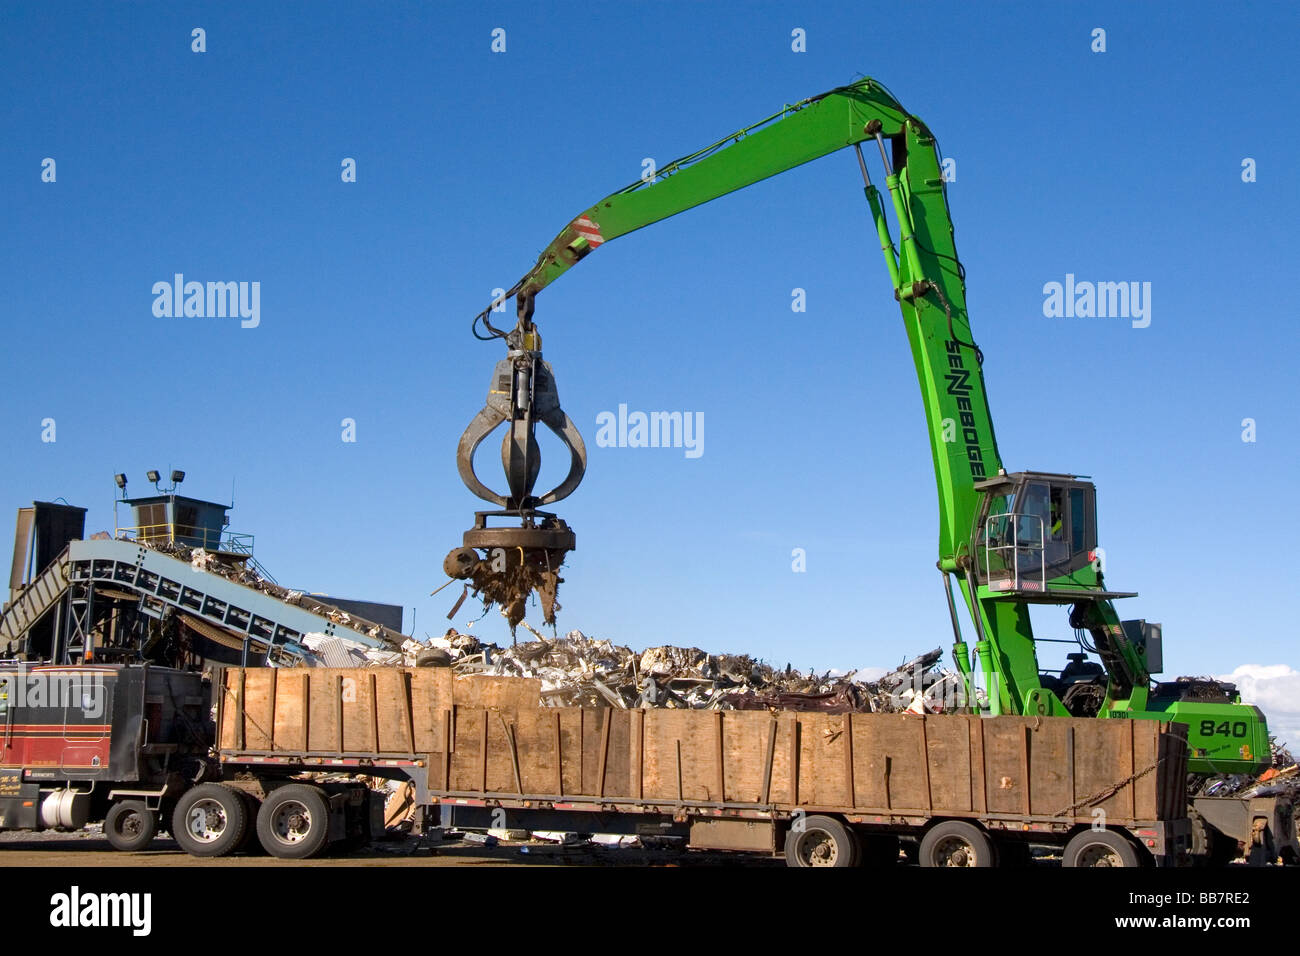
(287, 762)
(286, 759)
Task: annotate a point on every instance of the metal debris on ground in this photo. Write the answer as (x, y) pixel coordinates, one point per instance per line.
(1282, 776)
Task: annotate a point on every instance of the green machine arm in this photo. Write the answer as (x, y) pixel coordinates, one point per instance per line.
(798, 134)
(929, 285)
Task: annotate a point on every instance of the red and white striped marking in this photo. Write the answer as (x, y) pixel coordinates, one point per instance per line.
(584, 227)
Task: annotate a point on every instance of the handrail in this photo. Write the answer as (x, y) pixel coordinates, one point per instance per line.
(1015, 546)
(208, 538)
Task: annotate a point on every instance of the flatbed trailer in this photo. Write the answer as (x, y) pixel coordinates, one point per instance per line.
(822, 789)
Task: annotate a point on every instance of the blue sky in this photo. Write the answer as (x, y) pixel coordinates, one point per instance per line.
(225, 165)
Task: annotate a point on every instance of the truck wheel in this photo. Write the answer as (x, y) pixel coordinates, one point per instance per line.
(1211, 847)
(820, 841)
(210, 820)
(1099, 848)
(956, 843)
(294, 822)
(130, 825)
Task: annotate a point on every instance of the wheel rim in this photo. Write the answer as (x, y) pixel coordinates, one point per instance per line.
(206, 820)
(955, 851)
(1099, 854)
(817, 848)
(292, 822)
(130, 824)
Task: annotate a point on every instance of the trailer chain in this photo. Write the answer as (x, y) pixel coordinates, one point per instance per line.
(1106, 792)
(243, 713)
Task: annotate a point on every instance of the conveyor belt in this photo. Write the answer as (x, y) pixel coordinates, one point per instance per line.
(35, 600)
(238, 609)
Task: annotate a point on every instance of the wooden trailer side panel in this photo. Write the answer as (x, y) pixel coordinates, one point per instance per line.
(290, 728)
(948, 751)
(681, 760)
(323, 711)
(746, 749)
(487, 735)
(1104, 758)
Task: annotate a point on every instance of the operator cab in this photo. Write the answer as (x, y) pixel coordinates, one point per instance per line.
(1036, 532)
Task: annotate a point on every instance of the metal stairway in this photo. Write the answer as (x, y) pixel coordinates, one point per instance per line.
(37, 598)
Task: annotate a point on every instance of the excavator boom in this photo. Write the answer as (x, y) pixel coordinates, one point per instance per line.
(798, 134)
(1009, 540)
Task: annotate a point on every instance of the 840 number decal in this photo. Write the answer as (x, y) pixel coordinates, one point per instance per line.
(1224, 729)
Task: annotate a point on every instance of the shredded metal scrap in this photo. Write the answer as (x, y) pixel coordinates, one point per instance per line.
(508, 577)
(580, 671)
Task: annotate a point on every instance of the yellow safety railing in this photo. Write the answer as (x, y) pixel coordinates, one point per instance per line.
(188, 536)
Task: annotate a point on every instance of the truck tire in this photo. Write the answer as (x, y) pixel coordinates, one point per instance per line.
(956, 843)
(294, 822)
(210, 820)
(358, 831)
(251, 844)
(1100, 848)
(820, 841)
(1211, 847)
(130, 825)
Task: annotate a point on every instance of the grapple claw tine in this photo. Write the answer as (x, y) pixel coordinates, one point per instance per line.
(482, 425)
(562, 425)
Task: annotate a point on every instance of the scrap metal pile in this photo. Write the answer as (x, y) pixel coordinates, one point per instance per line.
(1282, 776)
(580, 671)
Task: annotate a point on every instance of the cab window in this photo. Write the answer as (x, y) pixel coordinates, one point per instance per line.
(1077, 506)
(1035, 511)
